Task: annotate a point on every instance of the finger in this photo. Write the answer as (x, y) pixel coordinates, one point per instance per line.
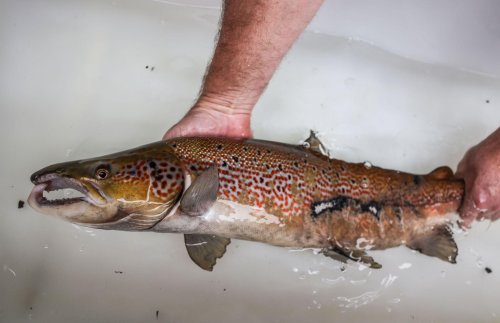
(468, 213)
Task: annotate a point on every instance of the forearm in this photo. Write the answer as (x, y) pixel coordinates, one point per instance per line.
(254, 37)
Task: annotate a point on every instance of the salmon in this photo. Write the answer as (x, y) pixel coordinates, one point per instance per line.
(213, 190)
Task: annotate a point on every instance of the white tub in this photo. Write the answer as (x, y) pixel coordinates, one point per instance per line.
(405, 85)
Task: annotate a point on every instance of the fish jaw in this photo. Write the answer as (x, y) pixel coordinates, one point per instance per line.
(93, 207)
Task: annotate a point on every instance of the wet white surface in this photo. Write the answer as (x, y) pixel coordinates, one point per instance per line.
(84, 78)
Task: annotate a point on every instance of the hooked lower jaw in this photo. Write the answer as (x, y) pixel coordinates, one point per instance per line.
(69, 208)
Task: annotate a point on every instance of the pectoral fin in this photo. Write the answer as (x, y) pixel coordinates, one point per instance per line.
(202, 193)
(342, 254)
(205, 249)
(437, 242)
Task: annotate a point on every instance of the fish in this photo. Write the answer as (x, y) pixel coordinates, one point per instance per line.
(213, 190)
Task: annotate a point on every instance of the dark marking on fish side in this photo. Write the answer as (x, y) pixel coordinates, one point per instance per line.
(341, 202)
(417, 180)
(372, 207)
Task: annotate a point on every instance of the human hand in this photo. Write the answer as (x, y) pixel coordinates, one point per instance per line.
(215, 120)
(480, 169)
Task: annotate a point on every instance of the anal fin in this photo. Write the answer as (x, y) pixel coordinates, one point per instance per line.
(205, 249)
(342, 254)
(437, 242)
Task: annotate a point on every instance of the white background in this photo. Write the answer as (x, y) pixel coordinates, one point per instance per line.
(409, 85)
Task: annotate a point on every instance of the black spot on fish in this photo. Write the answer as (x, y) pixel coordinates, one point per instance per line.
(245, 148)
(289, 177)
(236, 159)
(152, 164)
(261, 180)
(173, 169)
(268, 167)
(268, 151)
(224, 164)
(131, 173)
(341, 202)
(174, 145)
(219, 147)
(254, 160)
(335, 204)
(353, 181)
(398, 212)
(193, 168)
(280, 167)
(158, 178)
(169, 176)
(372, 207)
(417, 180)
(296, 164)
(258, 152)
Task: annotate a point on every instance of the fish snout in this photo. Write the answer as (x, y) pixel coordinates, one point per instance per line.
(47, 173)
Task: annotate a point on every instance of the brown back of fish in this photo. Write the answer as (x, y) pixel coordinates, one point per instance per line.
(326, 200)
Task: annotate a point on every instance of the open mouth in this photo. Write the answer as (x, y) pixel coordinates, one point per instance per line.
(52, 190)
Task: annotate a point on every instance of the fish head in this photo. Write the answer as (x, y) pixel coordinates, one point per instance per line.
(131, 190)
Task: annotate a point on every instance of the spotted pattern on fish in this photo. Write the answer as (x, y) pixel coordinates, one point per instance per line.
(164, 177)
(287, 181)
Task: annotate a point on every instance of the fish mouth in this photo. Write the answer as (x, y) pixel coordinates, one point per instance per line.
(55, 187)
(53, 182)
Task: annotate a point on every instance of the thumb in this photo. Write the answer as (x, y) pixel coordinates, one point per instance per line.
(468, 213)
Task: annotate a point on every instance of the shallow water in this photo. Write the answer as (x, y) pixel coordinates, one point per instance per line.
(86, 78)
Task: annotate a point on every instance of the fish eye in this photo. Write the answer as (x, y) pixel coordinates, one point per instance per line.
(102, 172)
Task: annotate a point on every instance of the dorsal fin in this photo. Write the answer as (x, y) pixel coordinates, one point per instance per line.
(315, 145)
(205, 249)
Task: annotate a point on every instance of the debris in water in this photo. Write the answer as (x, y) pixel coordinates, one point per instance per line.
(157, 314)
(488, 270)
(20, 204)
(118, 272)
(487, 101)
